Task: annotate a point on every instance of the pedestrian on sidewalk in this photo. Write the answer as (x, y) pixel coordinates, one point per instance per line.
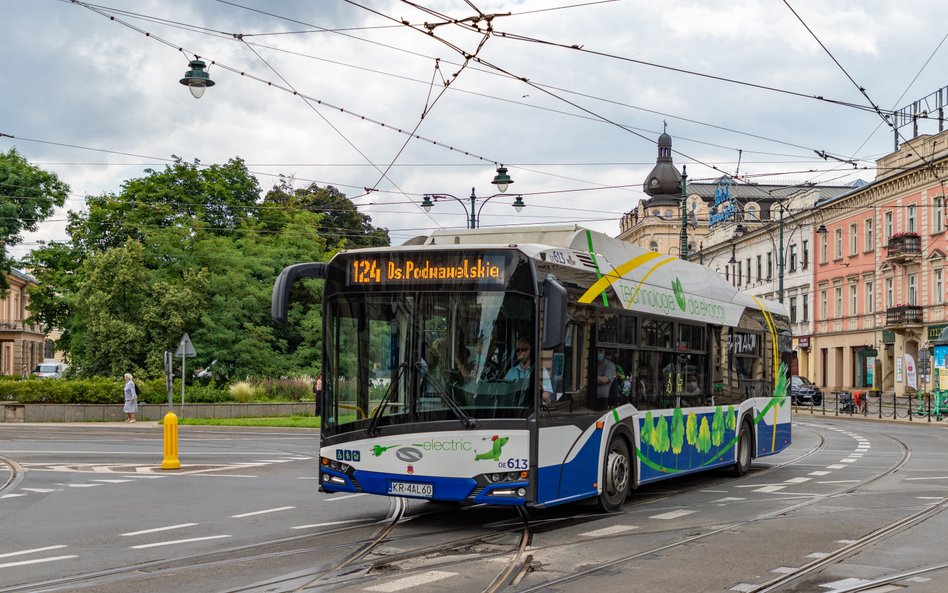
(131, 399)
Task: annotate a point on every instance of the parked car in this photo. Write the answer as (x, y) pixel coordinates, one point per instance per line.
(49, 370)
(804, 391)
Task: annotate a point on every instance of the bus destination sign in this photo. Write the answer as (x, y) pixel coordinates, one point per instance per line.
(393, 268)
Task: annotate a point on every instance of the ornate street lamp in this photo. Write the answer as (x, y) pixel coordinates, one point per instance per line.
(197, 79)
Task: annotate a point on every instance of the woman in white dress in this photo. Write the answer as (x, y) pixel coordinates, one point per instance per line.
(131, 399)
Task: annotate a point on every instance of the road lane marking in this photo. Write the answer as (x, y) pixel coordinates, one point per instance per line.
(819, 473)
(836, 466)
(113, 481)
(784, 570)
(728, 499)
(847, 460)
(931, 478)
(331, 523)
(33, 551)
(797, 480)
(608, 531)
(308, 478)
(769, 489)
(345, 497)
(412, 581)
(79, 485)
(12, 495)
(37, 561)
(241, 516)
(672, 515)
(839, 482)
(42, 490)
(178, 541)
(817, 555)
(157, 529)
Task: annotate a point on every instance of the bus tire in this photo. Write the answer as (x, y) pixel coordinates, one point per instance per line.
(745, 451)
(616, 475)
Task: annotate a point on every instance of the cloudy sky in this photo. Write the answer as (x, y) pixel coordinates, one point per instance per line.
(570, 95)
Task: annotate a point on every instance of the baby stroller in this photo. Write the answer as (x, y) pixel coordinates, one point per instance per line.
(846, 405)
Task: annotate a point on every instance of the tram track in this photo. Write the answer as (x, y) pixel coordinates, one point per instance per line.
(868, 540)
(347, 570)
(16, 473)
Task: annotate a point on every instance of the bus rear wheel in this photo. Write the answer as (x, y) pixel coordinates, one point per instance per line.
(616, 476)
(744, 453)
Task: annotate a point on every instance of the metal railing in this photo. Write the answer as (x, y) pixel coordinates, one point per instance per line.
(904, 315)
(906, 245)
(921, 407)
(20, 326)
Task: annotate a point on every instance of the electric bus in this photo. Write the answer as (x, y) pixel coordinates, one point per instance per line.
(538, 366)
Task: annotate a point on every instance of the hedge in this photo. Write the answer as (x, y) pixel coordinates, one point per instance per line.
(154, 391)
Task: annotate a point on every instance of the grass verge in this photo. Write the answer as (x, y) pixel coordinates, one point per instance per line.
(280, 422)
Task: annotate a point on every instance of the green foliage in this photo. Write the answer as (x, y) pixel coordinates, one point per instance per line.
(294, 389)
(660, 440)
(691, 429)
(717, 427)
(194, 249)
(28, 194)
(648, 427)
(703, 444)
(677, 431)
(731, 418)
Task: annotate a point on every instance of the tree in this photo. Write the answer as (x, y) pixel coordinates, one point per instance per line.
(660, 435)
(341, 223)
(704, 437)
(28, 194)
(691, 429)
(717, 427)
(648, 427)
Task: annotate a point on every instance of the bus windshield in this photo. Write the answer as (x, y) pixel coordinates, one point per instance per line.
(397, 358)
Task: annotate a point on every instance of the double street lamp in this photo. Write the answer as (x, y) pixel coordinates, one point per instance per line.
(502, 180)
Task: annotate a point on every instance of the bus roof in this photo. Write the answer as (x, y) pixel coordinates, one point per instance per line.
(640, 278)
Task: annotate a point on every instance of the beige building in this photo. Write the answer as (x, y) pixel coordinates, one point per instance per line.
(21, 344)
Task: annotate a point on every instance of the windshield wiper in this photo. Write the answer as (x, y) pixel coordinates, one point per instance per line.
(449, 401)
(373, 427)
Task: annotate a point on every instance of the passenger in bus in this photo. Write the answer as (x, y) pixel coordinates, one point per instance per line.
(524, 369)
(605, 376)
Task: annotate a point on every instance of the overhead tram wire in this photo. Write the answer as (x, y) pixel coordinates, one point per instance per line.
(865, 93)
(316, 28)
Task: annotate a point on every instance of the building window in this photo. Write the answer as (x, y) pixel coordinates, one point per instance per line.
(938, 222)
(806, 254)
(912, 216)
(805, 302)
(889, 296)
(889, 231)
(793, 257)
(838, 300)
(853, 238)
(739, 275)
(770, 266)
(852, 298)
(823, 311)
(913, 289)
(749, 271)
(793, 309)
(869, 246)
(939, 288)
(760, 267)
(822, 249)
(838, 251)
(870, 298)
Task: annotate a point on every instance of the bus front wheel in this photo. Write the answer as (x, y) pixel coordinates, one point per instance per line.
(744, 451)
(617, 476)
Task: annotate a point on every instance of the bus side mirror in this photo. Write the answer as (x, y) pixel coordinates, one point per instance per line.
(280, 299)
(554, 314)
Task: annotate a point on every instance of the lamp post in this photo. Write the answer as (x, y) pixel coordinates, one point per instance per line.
(683, 245)
(197, 79)
(780, 262)
(502, 180)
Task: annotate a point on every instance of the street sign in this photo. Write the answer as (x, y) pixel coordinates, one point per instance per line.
(185, 348)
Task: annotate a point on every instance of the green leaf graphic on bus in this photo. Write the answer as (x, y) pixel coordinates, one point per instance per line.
(679, 293)
(660, 435)
(496, 448)
(647, 428)
(677, 431)
(704, 437)
(717, 427)
(691, 428)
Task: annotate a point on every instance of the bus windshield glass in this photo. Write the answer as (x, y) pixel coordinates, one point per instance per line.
(414, 356)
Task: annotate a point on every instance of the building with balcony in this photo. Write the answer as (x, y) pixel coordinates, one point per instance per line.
(21, 344)
(880, 272)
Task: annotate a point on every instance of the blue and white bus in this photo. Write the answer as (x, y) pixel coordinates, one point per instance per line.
(538, 366)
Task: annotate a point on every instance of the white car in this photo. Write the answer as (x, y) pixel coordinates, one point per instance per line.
(49, 370)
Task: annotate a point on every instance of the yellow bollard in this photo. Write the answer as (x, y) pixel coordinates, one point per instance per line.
(171, 442)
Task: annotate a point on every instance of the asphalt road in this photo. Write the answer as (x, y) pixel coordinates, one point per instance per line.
(850, 503)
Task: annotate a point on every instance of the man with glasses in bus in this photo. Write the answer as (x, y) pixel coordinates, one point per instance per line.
(524, 368)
